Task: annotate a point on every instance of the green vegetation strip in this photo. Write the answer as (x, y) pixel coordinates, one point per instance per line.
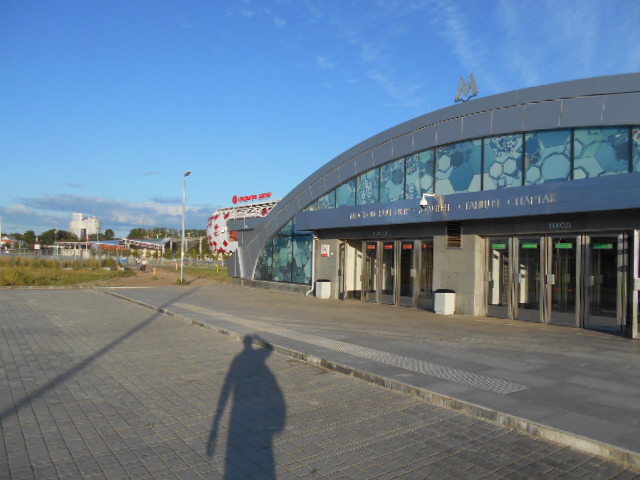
(32, 272)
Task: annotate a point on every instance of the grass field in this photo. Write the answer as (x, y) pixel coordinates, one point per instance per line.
(32, 272)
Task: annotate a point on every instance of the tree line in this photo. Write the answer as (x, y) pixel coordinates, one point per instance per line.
(49, 237)
(161, 232)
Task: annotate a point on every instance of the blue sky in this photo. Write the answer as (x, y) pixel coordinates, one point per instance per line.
(104, 104)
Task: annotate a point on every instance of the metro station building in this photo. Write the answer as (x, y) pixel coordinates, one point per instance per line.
(526, 204)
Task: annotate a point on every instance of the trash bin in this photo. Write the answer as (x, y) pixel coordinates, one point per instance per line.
(444, 301)
(323, 288)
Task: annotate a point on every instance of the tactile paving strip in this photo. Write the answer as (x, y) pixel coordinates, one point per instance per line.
(482, 382)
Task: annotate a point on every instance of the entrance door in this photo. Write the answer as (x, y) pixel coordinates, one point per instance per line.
(388, 273)
(562, 282)
(407, 274)
(425, 295)
(574, 280)
(498, 287)
(370, 272)
(527, 277)
(605, 283)
(350, 270)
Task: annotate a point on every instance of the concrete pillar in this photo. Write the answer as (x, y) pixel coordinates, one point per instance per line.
(461, 269)
(327, 265)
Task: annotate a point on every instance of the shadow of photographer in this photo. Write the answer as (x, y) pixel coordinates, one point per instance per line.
(257, 414)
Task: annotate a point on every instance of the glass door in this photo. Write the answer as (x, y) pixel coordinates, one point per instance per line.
(498, 287)
(407, 274)
(527, 279)
(604, 283)
(369, 272)
(425, 295)
(562, 281)
(388, 273)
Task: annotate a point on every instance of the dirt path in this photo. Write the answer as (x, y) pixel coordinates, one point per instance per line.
(152, 278)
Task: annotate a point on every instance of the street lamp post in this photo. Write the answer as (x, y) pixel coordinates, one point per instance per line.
(184, 224)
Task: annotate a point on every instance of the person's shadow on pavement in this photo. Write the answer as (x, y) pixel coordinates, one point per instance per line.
(258, 412)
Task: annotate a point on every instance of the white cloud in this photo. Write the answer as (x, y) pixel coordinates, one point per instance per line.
(19, 209)
(43, 213)
(324, 62)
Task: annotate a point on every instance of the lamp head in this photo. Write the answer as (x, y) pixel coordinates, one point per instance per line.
(187, 173)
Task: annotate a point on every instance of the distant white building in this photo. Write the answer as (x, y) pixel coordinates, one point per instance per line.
(83, 226)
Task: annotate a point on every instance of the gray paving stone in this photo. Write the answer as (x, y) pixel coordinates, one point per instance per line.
(129, 393)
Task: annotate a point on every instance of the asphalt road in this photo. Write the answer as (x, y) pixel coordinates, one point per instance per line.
(95, 387)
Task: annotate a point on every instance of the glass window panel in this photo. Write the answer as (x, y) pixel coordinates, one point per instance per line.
(287, 229)
(547, 157)
(282, 258)
(419, 174)
(503, 162)
(327, 201)
(459, 167)
(367, 187)
(312, 207)
(265, 263)
(302, 258)
(295, 230)
(636, 149)
(346, 194)
(600, 151)
(392, 181)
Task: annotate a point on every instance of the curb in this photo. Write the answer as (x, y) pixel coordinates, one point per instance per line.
(604, 450)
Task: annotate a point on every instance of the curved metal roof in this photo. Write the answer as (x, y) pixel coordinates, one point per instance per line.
(599, 101)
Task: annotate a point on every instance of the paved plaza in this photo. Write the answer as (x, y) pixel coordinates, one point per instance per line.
(92, 386)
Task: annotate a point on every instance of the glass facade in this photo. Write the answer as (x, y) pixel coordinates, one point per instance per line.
(635, 133)
(346, 194)
(367, 187)
(503, 162)
(494, 162)
(282, 258)
(547, 157)
(459, 167)
(601, 151)
(264, 264)
(286, 257)
(420, 169)
(392, 181)
(489, 163)
(327, 201)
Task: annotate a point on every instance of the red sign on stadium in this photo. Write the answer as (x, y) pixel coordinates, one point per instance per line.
(249, 198)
